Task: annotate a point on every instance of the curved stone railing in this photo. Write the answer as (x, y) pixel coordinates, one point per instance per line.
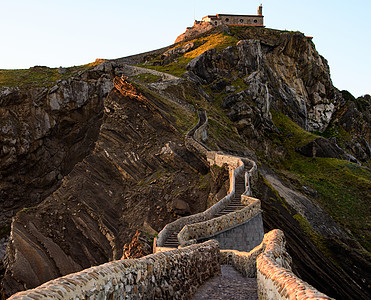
(274, 275)
(236, 166)
(197, 134)
(270, 263)
(244, 262)
(250, 175)
(177, 225)
(190, 233)
(168, 275)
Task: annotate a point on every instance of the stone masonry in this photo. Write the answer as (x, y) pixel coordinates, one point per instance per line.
(167, 275)
(228, 19)
(243, 237)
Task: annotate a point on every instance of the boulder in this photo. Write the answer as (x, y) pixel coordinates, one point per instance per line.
(324, 148)
(181, 207)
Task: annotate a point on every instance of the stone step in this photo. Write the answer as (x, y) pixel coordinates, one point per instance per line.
(234, 207)
(235, 204)
(227, 211)
(171, 245)
(172, 241)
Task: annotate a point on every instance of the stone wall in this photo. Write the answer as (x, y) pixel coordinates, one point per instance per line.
(200, 217)
(168, 275)
(242, 20)
(243, 237)
(191, 232)
(270, 262)
(224, 19)
(274, 275)
(242, 261)
(236, 166)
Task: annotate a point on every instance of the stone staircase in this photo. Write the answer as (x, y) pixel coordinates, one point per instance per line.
(235, 204)
(240, 185)
(236, 201)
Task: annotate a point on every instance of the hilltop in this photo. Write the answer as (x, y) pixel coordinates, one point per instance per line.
(83, 166)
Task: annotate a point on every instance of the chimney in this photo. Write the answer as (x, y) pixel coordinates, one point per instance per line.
(260, 10)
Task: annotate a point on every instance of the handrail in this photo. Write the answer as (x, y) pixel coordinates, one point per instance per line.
(274, 275)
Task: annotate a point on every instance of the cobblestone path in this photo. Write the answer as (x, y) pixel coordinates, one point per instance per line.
(230, 285)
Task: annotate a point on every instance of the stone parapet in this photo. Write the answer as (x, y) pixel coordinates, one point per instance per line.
(274, 275)
(168, 275)
(210, 227)
(243, 237)
(198, 134)
(244, 262)
(236, 166)
(200, 217)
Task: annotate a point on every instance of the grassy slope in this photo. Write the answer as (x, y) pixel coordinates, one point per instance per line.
(218, 41)
(343, 187)
(39, 76)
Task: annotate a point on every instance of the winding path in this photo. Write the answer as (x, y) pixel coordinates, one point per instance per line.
(235, 204)
(230, 285)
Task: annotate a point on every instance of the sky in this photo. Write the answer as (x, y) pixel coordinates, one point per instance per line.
(75, 32)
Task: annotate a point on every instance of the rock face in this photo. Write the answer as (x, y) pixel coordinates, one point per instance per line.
(346, 280)
(285, 72)
(44, 133)
(324, 148)
(282, 72)
(127, 180)
(192, 32)
(351, 123)
(137, 248)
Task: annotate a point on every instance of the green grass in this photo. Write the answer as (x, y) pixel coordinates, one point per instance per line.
(277, 195)
(220, 129)
(147, 77)
(39, 76)
(184, 119)
(218, 41)
(220, 135)
(177, 68)
(343, 187)
(313, 235)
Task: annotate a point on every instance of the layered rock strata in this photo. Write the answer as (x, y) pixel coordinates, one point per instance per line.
(109, 194)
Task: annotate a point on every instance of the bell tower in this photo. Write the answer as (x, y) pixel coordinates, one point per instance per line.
(260, 10)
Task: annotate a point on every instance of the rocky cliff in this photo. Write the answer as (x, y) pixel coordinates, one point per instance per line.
(268, 95)
(126, 183)
(45, 130)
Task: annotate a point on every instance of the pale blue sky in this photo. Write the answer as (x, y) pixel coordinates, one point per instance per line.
(74, 32)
